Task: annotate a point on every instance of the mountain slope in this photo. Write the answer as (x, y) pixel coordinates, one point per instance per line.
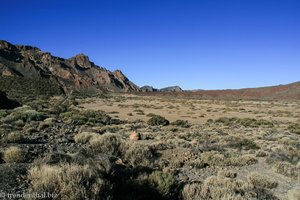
(53, 75)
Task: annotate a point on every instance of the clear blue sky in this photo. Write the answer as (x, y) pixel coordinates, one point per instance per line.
(200, 44)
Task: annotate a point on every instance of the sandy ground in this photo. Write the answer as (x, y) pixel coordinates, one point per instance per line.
(131, 107)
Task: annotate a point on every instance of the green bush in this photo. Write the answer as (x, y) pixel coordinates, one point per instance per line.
(181, 123)
(88, 116)
(240, 143)
(24, 113)
(165, 183)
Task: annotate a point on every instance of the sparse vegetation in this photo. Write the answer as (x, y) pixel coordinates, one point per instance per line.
(294, 128)
(287, 169)
(247, 122)
(208, 157)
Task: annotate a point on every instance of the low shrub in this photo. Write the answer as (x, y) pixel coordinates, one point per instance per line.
(224, 188)
(191, 191)
(139, 155)
(68, 182)
(13, 155)
(87, 116)
(84, 137)
(109, 143)
(287, 169)
(247, 122)
(165, 183)
(181, 123)
(243, 143)
(261, 181)
(157, 120)
(14, 137)
(24, 113)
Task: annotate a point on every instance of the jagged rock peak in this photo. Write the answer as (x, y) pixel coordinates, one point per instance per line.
(118, 73)
(82, 60)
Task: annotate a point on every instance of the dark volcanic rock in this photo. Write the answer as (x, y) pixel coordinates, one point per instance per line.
(6, 103)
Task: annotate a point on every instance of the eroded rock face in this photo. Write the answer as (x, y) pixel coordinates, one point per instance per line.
(77, 73)
(6, 103)
(171, 89)
(148, 88)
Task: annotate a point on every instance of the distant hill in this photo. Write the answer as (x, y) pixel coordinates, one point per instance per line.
(148, 88)
(27, 70)
(171, 89)
(280, 92)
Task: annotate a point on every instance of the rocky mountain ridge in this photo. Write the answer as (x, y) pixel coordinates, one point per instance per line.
(77, 73)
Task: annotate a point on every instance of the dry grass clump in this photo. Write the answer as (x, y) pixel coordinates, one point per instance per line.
(261, 181)
(13, 155)
(242, 160)
(287, 169)
(294, 194)
(68, 181)
(191, 191)
(261, 154)
(14, 137)
(46, 123)
(84, 137)
(139, 155)
(157, 120)
(224, 188)
(108, 143)
(227, 174)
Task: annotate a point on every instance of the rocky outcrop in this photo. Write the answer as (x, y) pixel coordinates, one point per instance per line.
(171, 89)
(6, 103)
(77, 73)
(166, 89)
(148, 88)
